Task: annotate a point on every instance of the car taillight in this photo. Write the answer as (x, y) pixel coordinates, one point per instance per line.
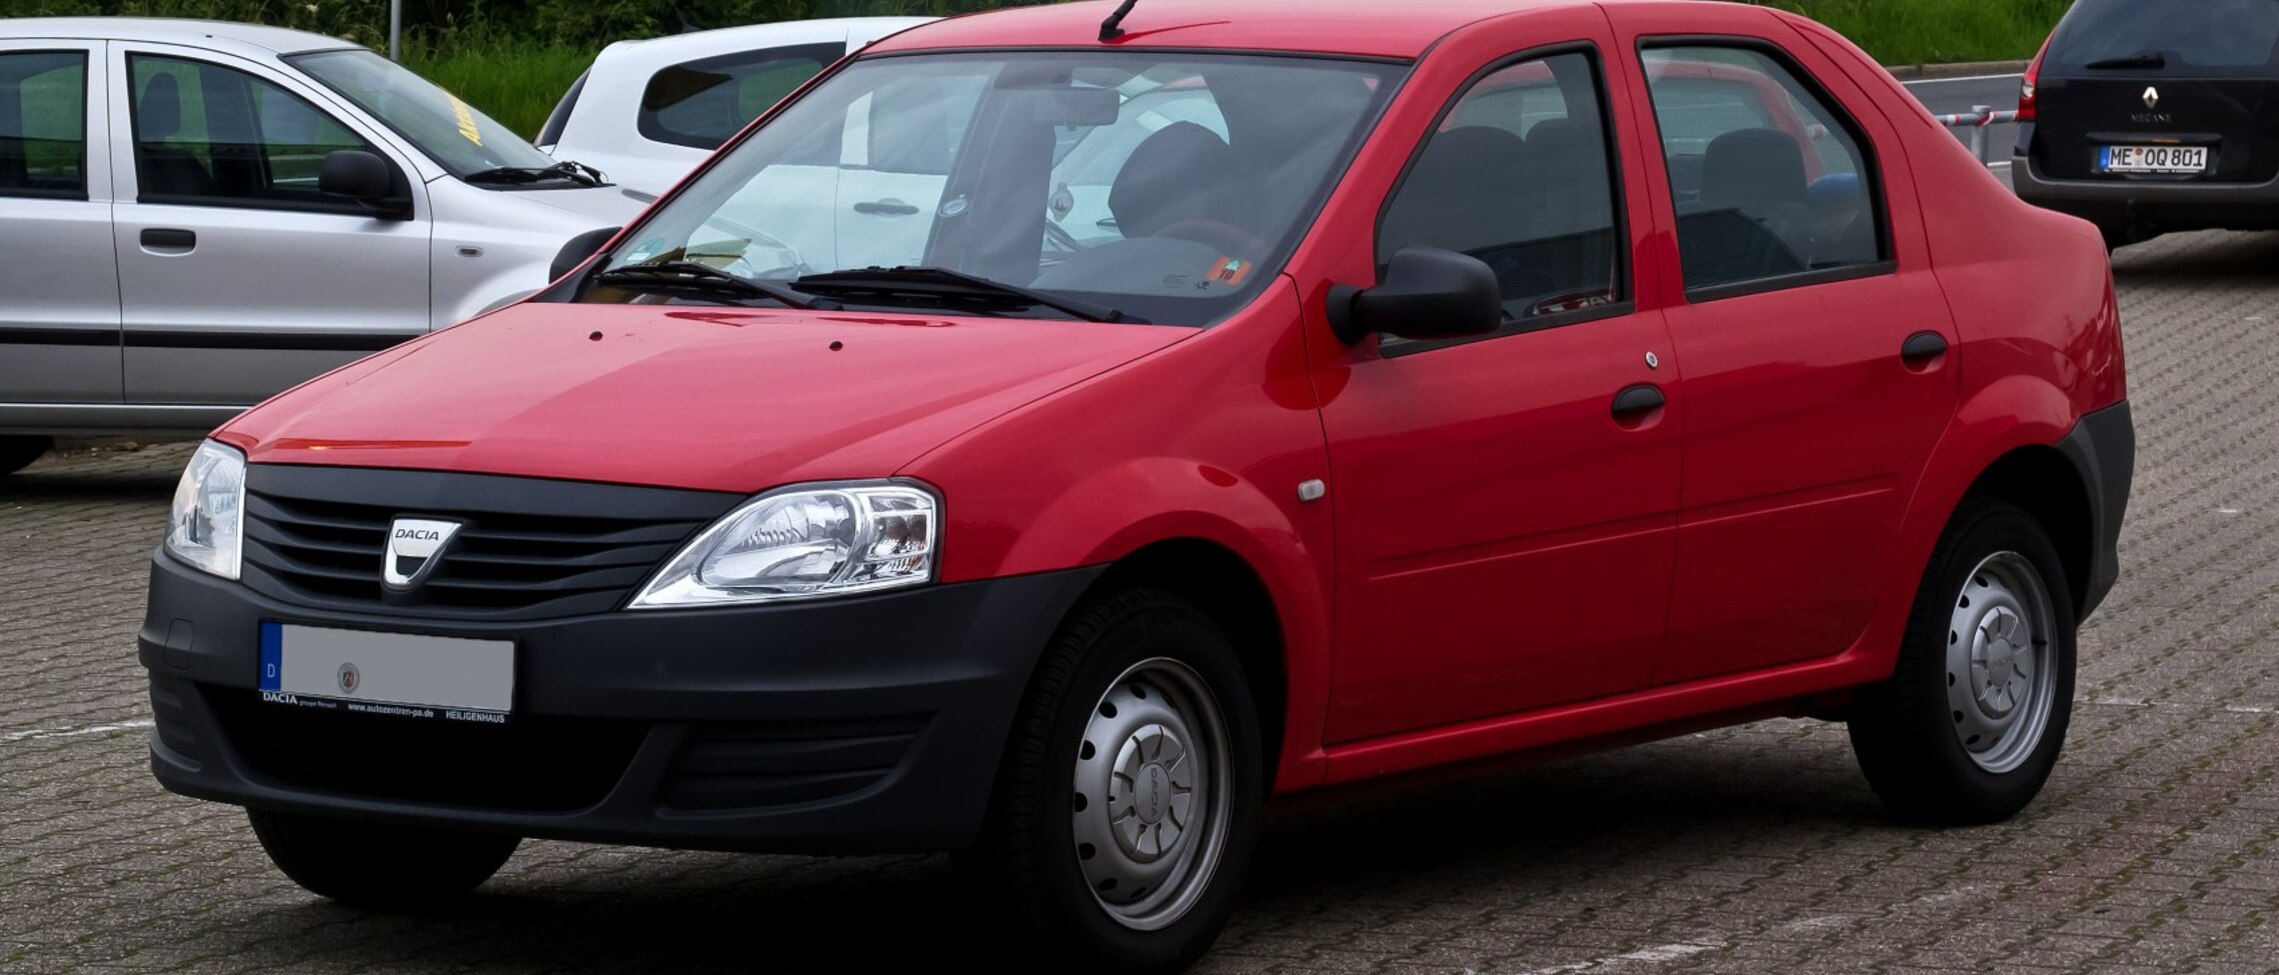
(2026, 84)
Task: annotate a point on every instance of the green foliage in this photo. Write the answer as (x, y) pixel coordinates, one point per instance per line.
(1937, 31)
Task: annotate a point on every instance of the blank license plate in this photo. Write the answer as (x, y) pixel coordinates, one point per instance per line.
(387, 673)
(2152, 159)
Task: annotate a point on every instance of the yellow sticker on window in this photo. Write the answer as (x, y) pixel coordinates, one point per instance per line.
(466, 117)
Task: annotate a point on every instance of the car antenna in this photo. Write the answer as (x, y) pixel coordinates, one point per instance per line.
(1113, 27)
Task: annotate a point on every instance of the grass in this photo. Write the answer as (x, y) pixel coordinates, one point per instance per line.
(1901, 32)
(517, 81)
(514, 81)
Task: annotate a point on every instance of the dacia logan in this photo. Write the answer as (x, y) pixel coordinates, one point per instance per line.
(1464, 381)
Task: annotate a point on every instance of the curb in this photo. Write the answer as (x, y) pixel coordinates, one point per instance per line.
(1964, 69)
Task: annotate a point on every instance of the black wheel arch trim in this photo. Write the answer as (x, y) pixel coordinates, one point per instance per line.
(2102, 447)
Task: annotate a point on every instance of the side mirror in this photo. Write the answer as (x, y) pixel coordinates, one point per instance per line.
(365, 178)
(1428, 293)
(577, 249)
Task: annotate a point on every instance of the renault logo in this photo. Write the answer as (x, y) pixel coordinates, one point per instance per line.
(2151, 97)
(415, 548)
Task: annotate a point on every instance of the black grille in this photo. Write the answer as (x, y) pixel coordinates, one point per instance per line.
(757, 765)
(530, 549)
(531, 764)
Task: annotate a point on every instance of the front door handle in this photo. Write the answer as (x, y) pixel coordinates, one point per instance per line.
(1922, 347)
(169, 239)
(1637, 401)
(887, 208)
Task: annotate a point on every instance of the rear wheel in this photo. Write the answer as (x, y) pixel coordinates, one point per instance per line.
(1127, 806)
(1969, 725)
(17, 453)
(378, 865)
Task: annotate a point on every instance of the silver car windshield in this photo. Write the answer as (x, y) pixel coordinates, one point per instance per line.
(1167, 186)
(457, 136)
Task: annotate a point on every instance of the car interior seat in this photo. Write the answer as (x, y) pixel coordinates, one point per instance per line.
(1172, 177)
(165, 169)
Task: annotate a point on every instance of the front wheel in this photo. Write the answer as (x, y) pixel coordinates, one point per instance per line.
(378, 865)
(1969, 725)
(1127, 806)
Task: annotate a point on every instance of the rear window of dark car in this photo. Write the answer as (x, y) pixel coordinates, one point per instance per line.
(2224, 36)
(702, 103)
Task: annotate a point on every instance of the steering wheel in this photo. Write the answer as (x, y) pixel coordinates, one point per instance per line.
(1228, 238)
(1060, 235)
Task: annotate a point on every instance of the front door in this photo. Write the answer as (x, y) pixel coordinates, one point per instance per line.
(237, 277)
(1814, 338)
(59, 287)
(1505, 533)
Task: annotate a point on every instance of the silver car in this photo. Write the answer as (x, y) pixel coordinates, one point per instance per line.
(196, 215)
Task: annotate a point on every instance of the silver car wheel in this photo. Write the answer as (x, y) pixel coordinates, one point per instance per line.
(2000, 672)
(1151, 794)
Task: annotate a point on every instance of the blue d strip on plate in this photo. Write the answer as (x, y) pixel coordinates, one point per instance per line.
(272, 654)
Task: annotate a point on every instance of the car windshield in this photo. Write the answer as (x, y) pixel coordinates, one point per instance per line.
(451, 132)
(2221, 36)
(1162, 186)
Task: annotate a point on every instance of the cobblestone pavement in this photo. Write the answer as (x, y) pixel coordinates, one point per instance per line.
(2155, 847)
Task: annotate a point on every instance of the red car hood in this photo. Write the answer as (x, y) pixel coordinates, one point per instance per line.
(716, 399)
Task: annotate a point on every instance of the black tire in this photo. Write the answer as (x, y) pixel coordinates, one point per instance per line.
(17, 453)
(1910, 731)
(1027, 869)
(388, 867)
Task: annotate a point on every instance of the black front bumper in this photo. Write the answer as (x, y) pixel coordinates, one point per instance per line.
(859, 725)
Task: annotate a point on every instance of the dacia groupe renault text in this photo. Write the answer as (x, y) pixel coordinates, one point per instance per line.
(1442, 385)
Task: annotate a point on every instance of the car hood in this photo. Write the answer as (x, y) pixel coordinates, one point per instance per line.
(608, 206)
(702, 398)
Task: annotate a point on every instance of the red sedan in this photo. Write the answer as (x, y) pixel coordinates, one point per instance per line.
(1377, 389)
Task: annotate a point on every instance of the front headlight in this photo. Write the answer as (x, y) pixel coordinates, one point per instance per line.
(207, 528)
(800, 542)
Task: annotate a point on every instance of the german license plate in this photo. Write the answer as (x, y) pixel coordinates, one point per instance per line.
(401, 674)
(2152, 159)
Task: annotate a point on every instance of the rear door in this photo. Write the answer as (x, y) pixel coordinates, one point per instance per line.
(59, 288)
(2125, 84)
(1811, 337)
(237, 277)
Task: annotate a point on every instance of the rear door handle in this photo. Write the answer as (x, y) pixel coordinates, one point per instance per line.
(1922, 347)
(887, 208)
(169, 239)
(1637, 401)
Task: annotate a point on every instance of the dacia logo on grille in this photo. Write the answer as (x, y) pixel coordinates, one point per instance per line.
(415, 549)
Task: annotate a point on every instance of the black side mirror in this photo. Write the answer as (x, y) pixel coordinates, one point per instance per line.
(365, 178)
(1428, 293)
(575, 251)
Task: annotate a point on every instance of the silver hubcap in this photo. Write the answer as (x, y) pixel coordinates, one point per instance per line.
(2000, 678)
(1151, 794)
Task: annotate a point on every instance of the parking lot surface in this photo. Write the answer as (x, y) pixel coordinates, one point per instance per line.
(2155, 847)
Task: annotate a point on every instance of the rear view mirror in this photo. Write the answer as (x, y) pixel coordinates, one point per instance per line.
(1074, 107)
(365, 178)
(1428, 293)
(577, 249)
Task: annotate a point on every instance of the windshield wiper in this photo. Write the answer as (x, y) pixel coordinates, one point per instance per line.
(2146, 59)
(941, 282)
(692, 276)
(576, 172)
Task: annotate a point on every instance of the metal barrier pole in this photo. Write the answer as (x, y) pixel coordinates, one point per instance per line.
(395, 30)
(1985, 114)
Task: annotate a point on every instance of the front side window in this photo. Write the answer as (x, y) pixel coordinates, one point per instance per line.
(208, 134)
(1769, 180)
(702, 104)
(43, 124)
(1165, 186)
(463, 141)
(1518, 175)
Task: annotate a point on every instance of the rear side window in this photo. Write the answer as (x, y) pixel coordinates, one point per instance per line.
(1769, 178)
(43, 124)
(206, 134)
(2206, 35)
(702, 104)
(1518, 175)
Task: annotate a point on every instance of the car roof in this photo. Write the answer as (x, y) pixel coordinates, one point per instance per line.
(1370, 28)
(170, 30)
